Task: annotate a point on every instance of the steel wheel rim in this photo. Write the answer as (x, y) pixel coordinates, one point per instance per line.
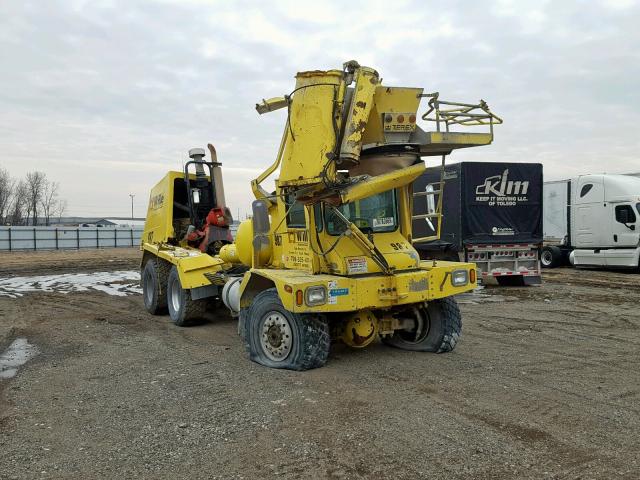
(276, 336)
(174, 294)
(422, 324)
(546, 258)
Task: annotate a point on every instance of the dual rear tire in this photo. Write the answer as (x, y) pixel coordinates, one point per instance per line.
(551, 257)
(162, 292)
(154, 276)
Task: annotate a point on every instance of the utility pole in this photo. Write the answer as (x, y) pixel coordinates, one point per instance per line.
(132, 195)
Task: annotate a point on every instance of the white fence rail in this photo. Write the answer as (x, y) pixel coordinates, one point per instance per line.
(62, 238)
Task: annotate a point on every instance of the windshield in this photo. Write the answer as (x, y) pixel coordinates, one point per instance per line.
(378, 213)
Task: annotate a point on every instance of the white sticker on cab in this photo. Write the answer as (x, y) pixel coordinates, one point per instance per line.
(356, 265)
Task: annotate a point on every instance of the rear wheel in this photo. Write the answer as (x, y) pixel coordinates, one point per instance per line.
(277, 338)
(437, 327)
(550, 257)
(154, 276)
(182, 309)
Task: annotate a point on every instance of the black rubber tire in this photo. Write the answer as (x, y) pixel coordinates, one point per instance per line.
(310, 334)
(445, 329)
(550, 257)
(182, 309)
(153, 279)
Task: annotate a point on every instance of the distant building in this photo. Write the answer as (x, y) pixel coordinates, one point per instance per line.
(121, 222)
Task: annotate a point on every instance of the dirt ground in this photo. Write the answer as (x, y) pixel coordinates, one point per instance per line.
(544, 384)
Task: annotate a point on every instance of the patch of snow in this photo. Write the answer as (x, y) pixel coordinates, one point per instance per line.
(18, 353)
(119, 283)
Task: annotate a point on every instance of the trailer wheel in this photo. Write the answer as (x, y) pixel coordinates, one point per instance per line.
(153, 277)
(550, 257)
(438, 327)
(182, 309)
(277, 338)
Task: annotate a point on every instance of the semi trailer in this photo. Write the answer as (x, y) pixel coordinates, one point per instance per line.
(592, 220)
(491, 215)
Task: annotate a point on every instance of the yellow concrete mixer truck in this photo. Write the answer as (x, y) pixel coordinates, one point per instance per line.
(328, 256)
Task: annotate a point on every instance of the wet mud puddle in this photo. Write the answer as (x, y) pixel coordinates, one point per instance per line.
(480, 295)
(18, 353)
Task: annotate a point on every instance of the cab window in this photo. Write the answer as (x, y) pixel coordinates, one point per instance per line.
(625, 214)
(295, 215)
(375, 214)
(586, 189)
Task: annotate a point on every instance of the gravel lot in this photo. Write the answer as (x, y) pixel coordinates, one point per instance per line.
(544, 384)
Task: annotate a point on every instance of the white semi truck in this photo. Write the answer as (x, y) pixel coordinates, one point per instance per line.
(592, 220)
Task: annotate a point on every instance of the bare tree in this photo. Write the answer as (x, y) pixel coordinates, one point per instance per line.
(49, 200)
(36, 183)
(17, 211)
(6, 189)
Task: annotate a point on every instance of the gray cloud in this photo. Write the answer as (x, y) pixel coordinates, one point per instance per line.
(106, 96)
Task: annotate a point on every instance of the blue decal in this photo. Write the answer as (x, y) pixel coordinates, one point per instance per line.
(336, 292)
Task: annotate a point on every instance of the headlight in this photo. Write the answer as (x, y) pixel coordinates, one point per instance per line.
(459, 278)
(315, 295)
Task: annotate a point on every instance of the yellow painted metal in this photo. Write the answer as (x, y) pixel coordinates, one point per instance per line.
(382, 183)
(256, 187)
(314, 110)
(367, 80)
(243, 242)
(229, 253)
(380, 270)
(435, 141)
(191, 263)
(431, 281)
(272, 104)
(359, 329)
(158, 238)
(392, 100)
(158, 226)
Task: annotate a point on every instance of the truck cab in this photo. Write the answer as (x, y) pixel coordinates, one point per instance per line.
(592, 220)
(605, 220)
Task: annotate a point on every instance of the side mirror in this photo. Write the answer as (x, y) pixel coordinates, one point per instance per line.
(261, 226)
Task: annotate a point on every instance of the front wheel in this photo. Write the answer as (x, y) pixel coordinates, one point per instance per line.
(437, 327)
(277, 338)
(182, 309)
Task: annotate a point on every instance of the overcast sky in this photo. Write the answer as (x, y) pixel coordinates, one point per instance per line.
(106, 96)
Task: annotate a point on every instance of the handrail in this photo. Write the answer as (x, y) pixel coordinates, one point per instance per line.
(465, 114)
